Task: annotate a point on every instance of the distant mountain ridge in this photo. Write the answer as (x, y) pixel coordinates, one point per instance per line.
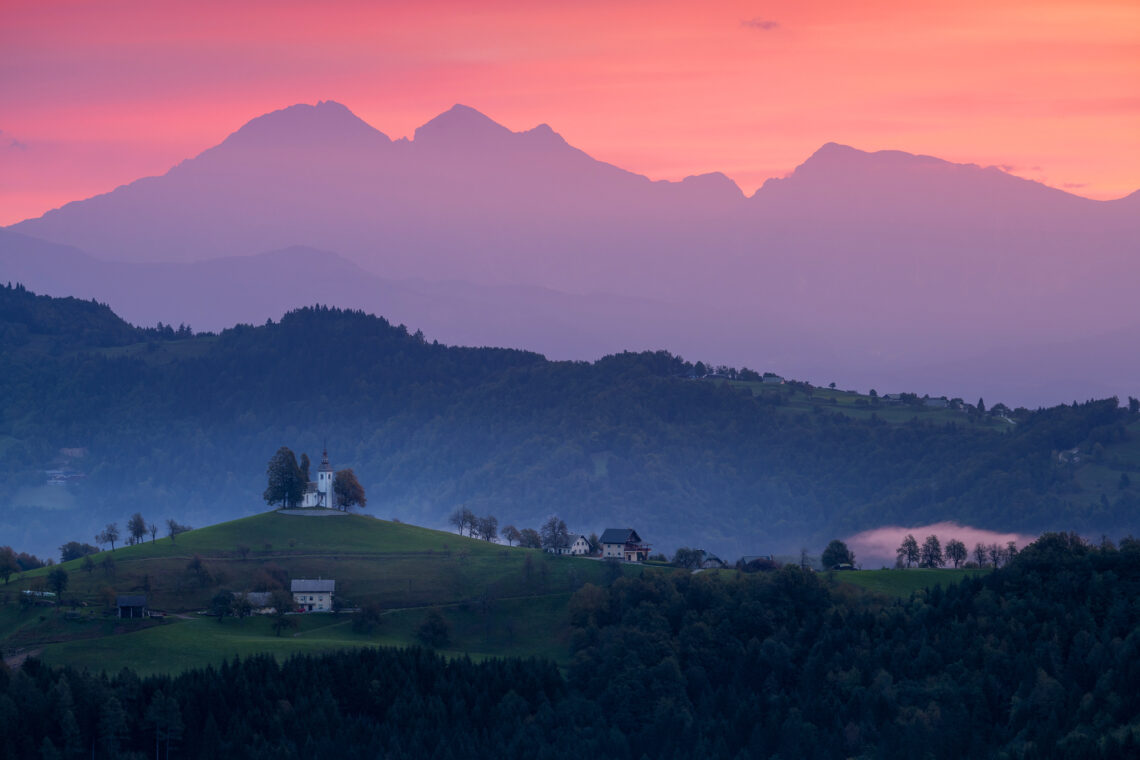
(877, 267)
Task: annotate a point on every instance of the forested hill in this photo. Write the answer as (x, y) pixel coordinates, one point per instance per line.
(1038, 659)
(180, 425)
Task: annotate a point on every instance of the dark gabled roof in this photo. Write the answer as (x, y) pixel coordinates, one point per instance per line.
(130, 600)
(311, 586)
(256, 598)
(620, 536)
(571, 539)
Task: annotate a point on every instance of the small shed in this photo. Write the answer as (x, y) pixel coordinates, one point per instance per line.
(131, 605)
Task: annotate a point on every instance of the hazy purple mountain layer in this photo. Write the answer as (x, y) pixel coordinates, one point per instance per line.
(883, 270)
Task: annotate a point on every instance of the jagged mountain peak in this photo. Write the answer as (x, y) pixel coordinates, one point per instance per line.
(325, 122)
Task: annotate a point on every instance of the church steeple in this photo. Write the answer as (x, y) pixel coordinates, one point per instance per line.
(325, 476)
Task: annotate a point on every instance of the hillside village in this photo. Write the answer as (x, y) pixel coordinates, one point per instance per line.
(312, 556)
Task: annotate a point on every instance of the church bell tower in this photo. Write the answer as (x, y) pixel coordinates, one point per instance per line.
(325, 481)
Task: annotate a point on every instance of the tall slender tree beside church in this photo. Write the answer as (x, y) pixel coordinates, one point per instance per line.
(286, 481)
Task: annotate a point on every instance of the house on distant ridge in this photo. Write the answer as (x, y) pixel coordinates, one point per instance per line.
(576, 545)
(623, 543)
(710, 561)
(313, 595)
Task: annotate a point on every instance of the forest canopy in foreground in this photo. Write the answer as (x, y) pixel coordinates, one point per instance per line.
(1037, 659)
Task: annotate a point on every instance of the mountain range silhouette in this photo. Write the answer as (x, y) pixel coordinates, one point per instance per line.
(882, 269)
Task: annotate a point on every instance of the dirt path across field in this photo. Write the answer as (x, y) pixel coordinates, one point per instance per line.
(16, 660)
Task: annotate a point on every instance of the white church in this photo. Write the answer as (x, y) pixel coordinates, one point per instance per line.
(319, 493)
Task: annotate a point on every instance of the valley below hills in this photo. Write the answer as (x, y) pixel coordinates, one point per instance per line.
(101, 419)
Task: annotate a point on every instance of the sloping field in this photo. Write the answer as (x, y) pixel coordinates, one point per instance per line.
(497, 600)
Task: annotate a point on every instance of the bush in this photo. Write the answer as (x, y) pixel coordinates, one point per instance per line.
(434, 632)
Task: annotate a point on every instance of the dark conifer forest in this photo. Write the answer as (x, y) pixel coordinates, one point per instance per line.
(1039, 659)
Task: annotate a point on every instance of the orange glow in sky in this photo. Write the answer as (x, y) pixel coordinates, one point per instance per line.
(96, 94)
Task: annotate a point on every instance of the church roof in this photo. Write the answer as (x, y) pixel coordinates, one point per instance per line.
(325, 466)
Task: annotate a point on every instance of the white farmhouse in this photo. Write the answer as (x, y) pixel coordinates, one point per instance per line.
(624, 544)
(576, 545)
(313, 596)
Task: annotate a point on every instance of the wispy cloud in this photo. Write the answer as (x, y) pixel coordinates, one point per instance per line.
(13, 143)
(760, 24)
(1074, 185)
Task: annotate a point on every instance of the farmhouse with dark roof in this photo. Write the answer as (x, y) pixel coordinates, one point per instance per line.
(313, 595)
(623, 543)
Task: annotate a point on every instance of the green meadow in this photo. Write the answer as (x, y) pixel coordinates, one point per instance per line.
(497, 600)
(902, 583)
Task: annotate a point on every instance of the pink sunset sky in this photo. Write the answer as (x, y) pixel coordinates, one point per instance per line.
(96, 94)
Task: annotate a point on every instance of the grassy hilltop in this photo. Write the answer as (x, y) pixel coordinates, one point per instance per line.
(498, 600)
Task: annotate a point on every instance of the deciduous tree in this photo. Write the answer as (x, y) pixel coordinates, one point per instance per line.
(434, 631)
(173, 529)
(286, 484)
(57, 580)
(463, 519)
(908, 551)
(109, 535)
(74, 550)
(837, 553)
(282, 602)
(956, 551)
(511, 534)
(931, 555)
(555, 534)
(347, 491)
(529, 539)
(688, 558)
(488, 528)
(136, 527)
(222, 603)
(8, 564)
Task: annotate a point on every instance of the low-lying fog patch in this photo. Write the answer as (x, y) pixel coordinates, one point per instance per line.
(877, 547)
